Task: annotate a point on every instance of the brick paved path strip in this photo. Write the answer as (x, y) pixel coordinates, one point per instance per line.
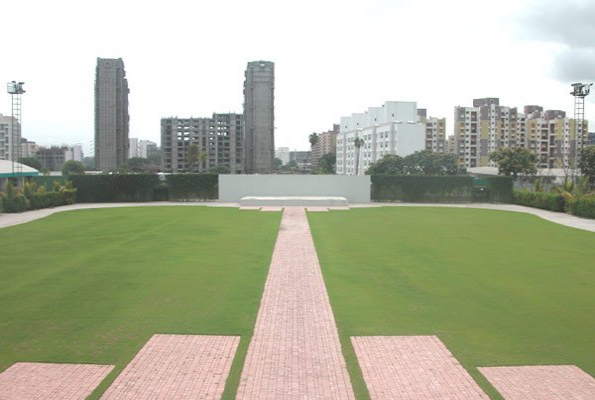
(413, 367)
(295, 351)
(40, 381)
(177, 367)
(551, 382)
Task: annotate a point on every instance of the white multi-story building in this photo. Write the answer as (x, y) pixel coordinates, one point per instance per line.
(74, 152)
(282, 153)
(393, 128)
(139, 148)
(7, 148)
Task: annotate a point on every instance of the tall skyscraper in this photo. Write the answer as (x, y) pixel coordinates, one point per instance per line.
(259, 117)
(111, 114)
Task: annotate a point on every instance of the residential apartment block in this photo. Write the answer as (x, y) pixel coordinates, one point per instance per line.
(7, 146)
(393, 128)
(111, 114)
(488, 126)
(282, 153)
(259, 117)
(435, 131)
(327, 143)
(52, 158)
(219, 138)
(139, 148)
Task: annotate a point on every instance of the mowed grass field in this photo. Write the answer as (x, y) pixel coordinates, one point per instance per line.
(92, 286)
(498, 288)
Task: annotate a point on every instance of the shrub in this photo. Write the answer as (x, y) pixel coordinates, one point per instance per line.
(543, 200)
(188, 187)
(422, 188)
(582, 206)
(1, 201)
(13, 200)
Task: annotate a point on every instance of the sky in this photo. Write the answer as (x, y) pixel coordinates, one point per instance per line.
(332, 58)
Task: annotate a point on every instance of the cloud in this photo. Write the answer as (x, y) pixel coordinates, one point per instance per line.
(575, 65)
(569, 24)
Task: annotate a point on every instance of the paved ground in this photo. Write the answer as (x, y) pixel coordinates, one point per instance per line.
(36, 381)
(413, 368)
(177, 367)
(551, 382)
(295, 351)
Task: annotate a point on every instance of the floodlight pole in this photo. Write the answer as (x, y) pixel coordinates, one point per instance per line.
(15, 89)
(579, 91)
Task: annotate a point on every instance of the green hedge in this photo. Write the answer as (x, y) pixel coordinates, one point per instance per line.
(544, 200)
(114, 188)
(422, 188)
(582, 206)
(189, 187)
(500, 189)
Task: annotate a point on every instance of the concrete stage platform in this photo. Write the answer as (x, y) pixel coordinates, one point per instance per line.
(300, 201)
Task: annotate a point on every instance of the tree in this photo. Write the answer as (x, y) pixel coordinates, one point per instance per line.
(358, 143)
(277, 163)
(31, 162)
(138, 164)
(515, 161)
(587, 163)
(390, 164)
(194, 155)
(326, 164)
(313, 138)
(89, 163)
(426, 162)
(72, 167)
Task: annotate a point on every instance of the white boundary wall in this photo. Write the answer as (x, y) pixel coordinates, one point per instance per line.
(356, 189)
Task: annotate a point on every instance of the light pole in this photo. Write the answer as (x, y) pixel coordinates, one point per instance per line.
(579, 91)
(15, 89)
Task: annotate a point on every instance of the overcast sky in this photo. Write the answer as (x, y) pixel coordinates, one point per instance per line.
(332, 58)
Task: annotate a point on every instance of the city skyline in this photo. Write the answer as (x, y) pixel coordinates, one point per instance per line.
(361, 53)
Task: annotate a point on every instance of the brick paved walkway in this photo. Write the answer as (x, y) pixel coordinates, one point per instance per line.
(37, 381)
(177, 367)
(295, 351)
(551, 382)
(413, 367)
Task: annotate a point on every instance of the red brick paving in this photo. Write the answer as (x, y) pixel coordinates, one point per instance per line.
(551, 382)
(40, 381)
(413, 367)
(295, 351)
(177, 367)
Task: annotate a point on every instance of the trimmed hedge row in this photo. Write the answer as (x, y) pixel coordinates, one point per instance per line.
(114, 188)
(582, 206)
(422, 188)
(188, 187)
(145, 187)
(500, 189)
(543, 200)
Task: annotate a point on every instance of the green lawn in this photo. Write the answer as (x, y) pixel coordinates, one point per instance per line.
(498, 288)
(93, 286)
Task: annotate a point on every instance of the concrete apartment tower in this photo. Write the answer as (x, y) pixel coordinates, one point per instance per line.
(259, 117)
(111, 114)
